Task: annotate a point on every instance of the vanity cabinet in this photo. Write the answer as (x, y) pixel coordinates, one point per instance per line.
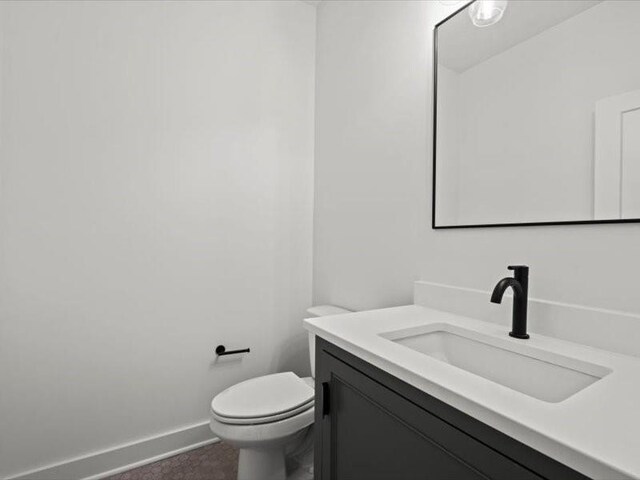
(372, 426)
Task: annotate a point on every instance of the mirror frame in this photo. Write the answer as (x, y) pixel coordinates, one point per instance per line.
(434, 226)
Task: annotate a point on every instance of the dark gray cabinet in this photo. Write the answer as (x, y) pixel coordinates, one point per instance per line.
(372, 426)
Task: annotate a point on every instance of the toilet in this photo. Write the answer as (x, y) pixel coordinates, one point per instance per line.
(267, 417)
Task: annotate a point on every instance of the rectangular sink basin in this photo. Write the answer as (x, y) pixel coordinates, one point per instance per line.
(534, 372)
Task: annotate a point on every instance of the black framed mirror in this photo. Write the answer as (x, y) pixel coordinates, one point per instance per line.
(537, 114)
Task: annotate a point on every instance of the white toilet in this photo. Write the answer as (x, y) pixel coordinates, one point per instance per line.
(268, 416)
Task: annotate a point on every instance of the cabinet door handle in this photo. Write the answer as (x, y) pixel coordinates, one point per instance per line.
(325, 399)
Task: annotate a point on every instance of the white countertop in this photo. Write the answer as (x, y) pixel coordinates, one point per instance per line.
(596, 431)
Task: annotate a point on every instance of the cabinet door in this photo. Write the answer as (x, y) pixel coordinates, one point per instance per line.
(370, 432)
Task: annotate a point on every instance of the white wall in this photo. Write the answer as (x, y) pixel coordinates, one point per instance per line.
(373, 177)
(371, 124)
(155, 201)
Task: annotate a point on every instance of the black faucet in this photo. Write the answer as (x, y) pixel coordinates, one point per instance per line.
(520, 285)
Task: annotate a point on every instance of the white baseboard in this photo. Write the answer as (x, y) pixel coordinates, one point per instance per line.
(97, 465)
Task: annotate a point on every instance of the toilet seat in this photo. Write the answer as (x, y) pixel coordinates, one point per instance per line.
(272, 433)
(266, 399)
(260, 420)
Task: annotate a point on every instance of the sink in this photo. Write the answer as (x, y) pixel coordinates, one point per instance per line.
(532, 371)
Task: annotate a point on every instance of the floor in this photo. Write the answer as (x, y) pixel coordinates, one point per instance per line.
(218, 461)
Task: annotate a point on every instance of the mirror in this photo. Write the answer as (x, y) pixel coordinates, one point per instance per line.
(537, 115)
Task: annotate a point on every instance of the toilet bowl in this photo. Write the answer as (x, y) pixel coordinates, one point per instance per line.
(266, 417)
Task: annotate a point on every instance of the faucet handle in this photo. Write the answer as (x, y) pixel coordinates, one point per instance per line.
(518, 268)
(520, 272)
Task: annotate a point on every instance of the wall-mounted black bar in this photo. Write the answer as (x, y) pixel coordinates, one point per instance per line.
(222, 350)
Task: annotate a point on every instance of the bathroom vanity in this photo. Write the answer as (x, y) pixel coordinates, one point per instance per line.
(415, 392)
(374, 426)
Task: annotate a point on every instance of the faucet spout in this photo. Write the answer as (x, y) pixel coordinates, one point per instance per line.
(519, 283)
(501, 287)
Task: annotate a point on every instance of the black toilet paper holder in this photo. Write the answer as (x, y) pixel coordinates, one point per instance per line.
(221, 350)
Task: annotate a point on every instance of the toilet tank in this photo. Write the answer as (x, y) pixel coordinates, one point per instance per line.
(320, 311)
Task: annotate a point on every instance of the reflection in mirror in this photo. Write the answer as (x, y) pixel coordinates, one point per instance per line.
(538, 115)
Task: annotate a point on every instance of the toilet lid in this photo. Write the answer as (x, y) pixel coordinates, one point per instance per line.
(263, 397)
